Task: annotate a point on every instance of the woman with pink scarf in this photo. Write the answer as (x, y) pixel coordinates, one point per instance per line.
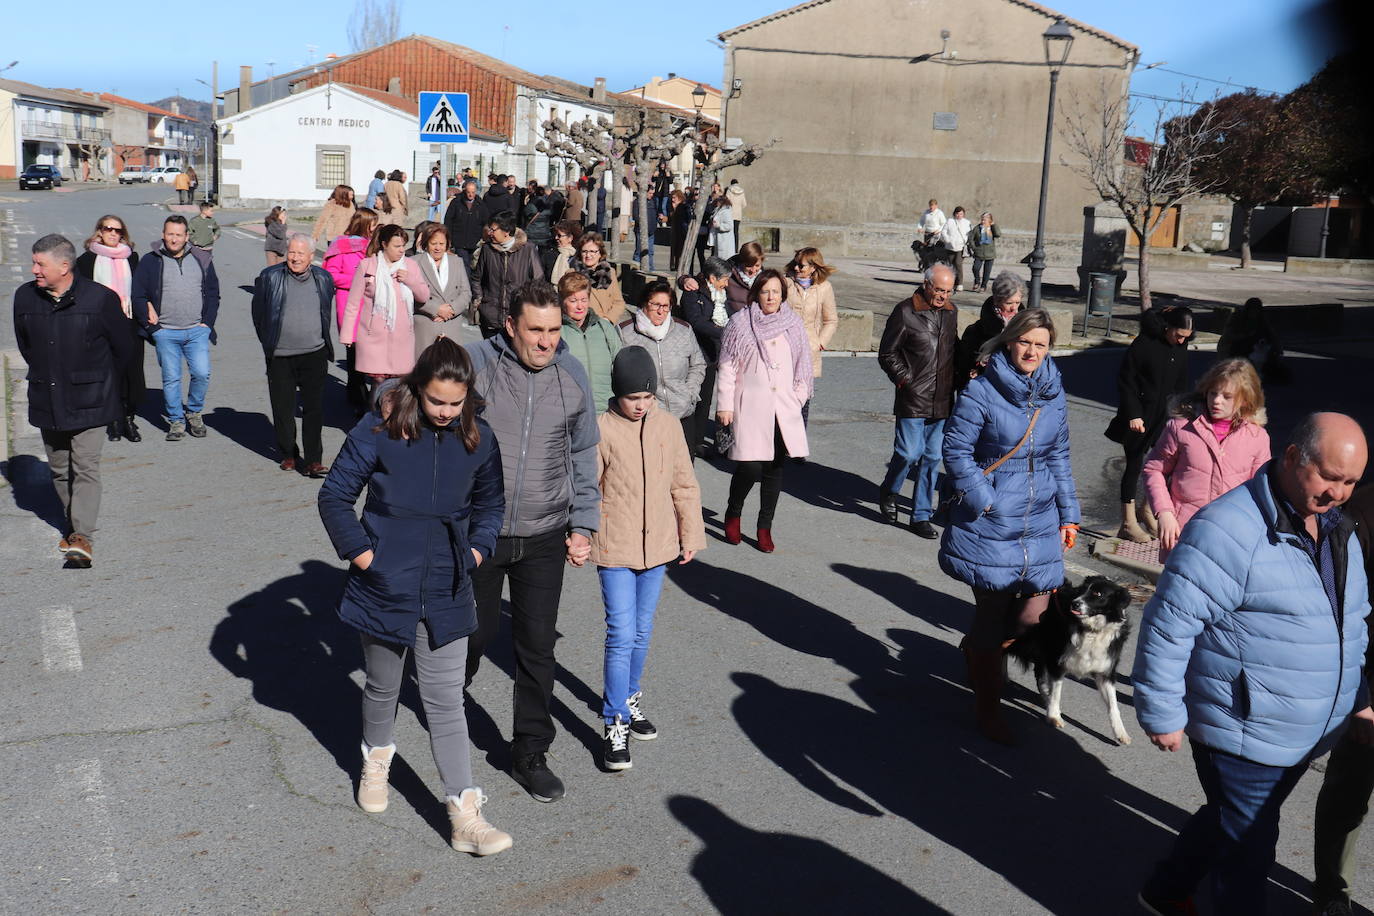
(763, 379)
(341, 260)
(110, 260)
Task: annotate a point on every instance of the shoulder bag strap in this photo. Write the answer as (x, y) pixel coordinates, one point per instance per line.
(1015, 448)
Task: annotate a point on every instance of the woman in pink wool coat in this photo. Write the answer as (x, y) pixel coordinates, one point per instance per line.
(1214, 442)
(763, 378)
(342, 258)
(379, 317)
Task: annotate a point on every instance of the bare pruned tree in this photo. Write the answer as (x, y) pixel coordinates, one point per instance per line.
(653, 141)
(714, 159)
(1151, 183)
(93, 155)
(373, 23)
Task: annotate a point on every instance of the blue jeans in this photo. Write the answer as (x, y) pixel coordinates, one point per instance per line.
(631, 597)
(1232, 837)
(639, 246)
(192, 344)
(916, 443)
(436, 212)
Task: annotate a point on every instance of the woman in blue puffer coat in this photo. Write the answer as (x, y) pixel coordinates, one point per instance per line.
(1009, 528)
(432, 471)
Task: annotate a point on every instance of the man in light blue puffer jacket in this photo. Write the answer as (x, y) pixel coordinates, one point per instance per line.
(1253, 644)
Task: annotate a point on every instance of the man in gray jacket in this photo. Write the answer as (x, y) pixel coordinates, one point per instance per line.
(538, 402)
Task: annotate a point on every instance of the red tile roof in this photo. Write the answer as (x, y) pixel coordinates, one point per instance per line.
(140, 106)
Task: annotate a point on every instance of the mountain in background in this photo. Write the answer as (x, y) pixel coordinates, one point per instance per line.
(192, 108)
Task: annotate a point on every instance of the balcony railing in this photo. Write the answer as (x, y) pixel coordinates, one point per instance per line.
(57, 130)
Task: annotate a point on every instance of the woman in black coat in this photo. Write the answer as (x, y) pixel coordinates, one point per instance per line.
(411, 557)
(1007, 299)
(1155, 369)
(110, 253)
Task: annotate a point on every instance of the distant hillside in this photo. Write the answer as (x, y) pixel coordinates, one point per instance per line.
(192, 108)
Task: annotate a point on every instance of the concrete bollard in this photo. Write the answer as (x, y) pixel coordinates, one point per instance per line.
(855, 331)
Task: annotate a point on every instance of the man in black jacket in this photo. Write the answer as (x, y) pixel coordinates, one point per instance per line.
(505, 262)
(917, 353)
(292, 306)
(73, 334)
(465, 220)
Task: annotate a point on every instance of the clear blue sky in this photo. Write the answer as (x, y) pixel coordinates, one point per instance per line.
(155, 52)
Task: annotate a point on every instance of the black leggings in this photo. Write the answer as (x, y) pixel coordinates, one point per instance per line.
(1136, 450)
(999, 616)
(748, 473)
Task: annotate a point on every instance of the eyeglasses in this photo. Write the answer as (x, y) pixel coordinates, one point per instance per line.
(111, 228)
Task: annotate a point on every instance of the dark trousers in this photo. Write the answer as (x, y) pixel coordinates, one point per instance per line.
(1232, 837)
(1341, 809)
(957, 258)
(737, 238)
(304, 374)
(767, 473)
(534, 566)
(357, 388)
(982, 272)
(676, 238)
(999, 616)
(465, 255)
(701, 417)
(133, 384)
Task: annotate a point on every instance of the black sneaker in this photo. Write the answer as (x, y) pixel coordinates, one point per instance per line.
(924, 529)
(532, 772)
(640, 726)
(615, 747)
(887, 505)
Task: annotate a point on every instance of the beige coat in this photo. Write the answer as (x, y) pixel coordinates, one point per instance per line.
(333, 221)
(650, 500)
(816, 306)
(735, 194)
(608, 302)
(400, 204)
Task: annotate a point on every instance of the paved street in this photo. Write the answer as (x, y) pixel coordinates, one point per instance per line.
(180, 723)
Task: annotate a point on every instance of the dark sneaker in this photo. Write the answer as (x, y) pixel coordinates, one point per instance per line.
(195, 425)
(1166, 906)
(924, 529)
(640, 727)
(532, 772)
(176, 431)
(131, 430)
(615, 747)
(887, 505)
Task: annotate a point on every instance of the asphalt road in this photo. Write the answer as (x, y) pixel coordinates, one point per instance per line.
(179, 724)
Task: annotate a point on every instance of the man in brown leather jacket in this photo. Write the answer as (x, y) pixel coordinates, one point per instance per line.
(917, 353)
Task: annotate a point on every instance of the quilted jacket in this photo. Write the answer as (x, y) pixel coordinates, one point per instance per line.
(1004, 529)
(1240, 647)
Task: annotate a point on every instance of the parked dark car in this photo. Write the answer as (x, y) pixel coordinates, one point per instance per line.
(40, 176)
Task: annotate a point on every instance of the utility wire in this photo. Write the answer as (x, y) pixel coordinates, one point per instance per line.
(1194, 76)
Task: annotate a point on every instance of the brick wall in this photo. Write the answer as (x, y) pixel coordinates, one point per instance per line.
(423, 68)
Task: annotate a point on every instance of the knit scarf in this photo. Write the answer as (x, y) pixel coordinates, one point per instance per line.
(803, 282)
(600, 275)
(112, 271)
(750, 327)
(720, 315)
(389, 294)
(655, 332)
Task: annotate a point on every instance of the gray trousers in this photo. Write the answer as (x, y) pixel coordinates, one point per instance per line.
(440, 673)
(74, 459)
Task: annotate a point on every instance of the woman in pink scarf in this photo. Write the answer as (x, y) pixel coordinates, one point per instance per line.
(762, 380)
(341, 260)
(110, 260)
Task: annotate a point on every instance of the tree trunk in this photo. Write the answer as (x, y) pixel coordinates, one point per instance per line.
(689, 242)
(1143, 269)
(1247, 216)
(647, 227)
(612, 192)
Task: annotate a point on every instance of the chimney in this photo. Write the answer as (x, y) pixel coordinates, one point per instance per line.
(393, 85)
(245, 88)
(176, 107)
(599, 90)
(671, 76)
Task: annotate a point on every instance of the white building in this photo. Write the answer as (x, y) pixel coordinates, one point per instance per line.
(41, 126)
(293, 151)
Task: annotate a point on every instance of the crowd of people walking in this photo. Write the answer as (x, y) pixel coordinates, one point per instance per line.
(567, 435)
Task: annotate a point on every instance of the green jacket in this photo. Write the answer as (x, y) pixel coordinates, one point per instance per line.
(595, 346)
(986, 251)
(202, 232)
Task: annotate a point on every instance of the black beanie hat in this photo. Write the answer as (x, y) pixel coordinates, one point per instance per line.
(632, 372)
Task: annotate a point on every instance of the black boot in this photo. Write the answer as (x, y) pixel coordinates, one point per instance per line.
(113, 430)
(131, 431)
(887, 505)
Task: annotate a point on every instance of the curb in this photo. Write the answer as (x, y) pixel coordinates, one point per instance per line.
(1105, 550)
(8, 358)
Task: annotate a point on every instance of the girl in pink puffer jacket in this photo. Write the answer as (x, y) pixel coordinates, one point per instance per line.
(345, 253)
(1214, 442)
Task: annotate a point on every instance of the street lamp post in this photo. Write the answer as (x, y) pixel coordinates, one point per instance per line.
(1058, 39)
(698, 102)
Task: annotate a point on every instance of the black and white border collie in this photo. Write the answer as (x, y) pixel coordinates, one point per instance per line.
(1080, 635)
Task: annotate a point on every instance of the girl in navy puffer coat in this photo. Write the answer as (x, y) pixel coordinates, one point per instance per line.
(1008, 530)
(432, 471)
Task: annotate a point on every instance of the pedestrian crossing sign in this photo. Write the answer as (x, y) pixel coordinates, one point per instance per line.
(443, 117)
